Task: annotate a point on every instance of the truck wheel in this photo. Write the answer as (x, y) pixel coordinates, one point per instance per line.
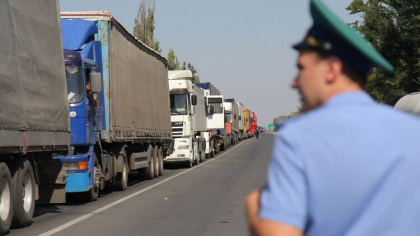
(121, 179)
(217, 149)
(160, 159)
(156, 161)
(93, 193)
(6, 209)
(109, 185)
(190, 164)
(150, 173)
(23, 190)
(202, 157)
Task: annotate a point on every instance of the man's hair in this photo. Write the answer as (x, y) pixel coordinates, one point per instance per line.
(348, 69)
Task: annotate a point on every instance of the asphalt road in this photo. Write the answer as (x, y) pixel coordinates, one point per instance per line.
(207, 199)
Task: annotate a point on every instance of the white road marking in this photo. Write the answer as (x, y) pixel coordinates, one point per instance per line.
(84, 217)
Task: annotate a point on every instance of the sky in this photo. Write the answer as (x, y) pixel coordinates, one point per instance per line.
(243, 47)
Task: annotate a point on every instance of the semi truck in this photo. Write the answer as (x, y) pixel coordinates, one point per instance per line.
(215, 140)
(253, 123)
(246, 123)
(188, 119)
(119, 104)
(231, 129)
(242, 126)
(34, 115)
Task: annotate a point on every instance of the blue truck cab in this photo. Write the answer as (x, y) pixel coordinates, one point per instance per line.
(83, 68)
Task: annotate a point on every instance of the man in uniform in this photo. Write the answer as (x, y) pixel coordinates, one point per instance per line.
(348, 166)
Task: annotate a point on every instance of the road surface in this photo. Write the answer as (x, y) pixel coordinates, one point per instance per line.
(207, 199)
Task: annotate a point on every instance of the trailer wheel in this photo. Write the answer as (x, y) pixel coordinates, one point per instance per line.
(160, 158)
(150, 172)
(23, 190)
(121, 179)
(156, 161)
(6, 209)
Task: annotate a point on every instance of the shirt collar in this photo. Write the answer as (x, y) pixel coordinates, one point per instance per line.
(346, 98)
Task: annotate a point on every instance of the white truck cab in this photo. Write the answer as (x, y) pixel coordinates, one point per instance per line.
(188, 119)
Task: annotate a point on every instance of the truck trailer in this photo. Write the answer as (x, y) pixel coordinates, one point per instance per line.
(188, 117)
(34, 114)
(119, 104)
(409, 103)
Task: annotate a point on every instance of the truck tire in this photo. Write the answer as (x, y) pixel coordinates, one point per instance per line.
(156, 158)
(160, 159)
(202, 157)
(190, 164)
(6, 205)
(109, 184)
(121, 179)
(23, 192)
(217, 149)
(150, 170)
(93, 193)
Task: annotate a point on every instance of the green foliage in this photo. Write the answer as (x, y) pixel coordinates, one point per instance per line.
(191, 67)
(144, 28)
(291, 115)
(173, 63)
(144, 25)
(393, 28)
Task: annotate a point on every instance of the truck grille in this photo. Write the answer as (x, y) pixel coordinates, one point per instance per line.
(176, 132)
(177, 128)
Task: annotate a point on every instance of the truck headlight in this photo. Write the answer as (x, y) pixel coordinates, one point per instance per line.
(182, 147)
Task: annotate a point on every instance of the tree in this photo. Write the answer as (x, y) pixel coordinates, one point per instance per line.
(191, 67)
(173, 63)
(144, 24)
(282, 118)
(393, 28)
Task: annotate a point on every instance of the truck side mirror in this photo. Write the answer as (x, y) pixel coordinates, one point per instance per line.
(95, 82)
(194, 100)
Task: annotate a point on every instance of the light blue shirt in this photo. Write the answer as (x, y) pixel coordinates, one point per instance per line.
(350, 167)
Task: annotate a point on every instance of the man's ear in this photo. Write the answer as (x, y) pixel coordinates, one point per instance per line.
(335, 67)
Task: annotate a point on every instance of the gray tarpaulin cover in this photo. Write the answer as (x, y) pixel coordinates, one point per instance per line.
(139, 91)
(32, 79)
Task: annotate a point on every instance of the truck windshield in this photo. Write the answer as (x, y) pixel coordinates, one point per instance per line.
(216, 103)
(218, 107)
(179, 104)
(74, 83)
